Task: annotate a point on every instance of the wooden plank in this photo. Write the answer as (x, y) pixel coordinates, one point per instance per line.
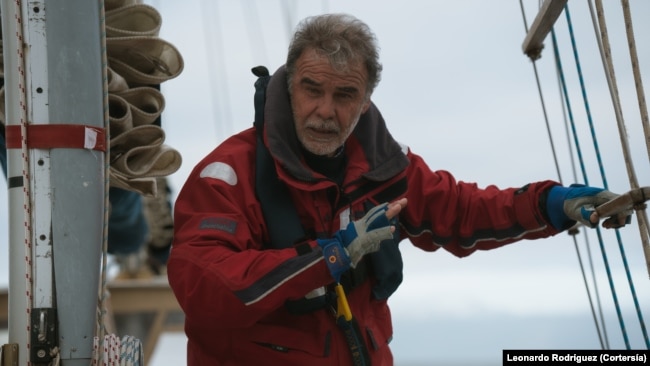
(4, 307)
(541, 27)
(130, 296)
(625, 203)
(141, 296)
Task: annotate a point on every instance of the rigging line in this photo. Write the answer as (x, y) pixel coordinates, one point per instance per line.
(548, 127)
(611, 79)
(557, 167)
(546, 121)
(101, 305)
(289, 13)
(216, 63)
(541, 98)
(602, 172)
(604, 344)
(256, 38)
(643, 110)
(25, 155)
(210, 61)
(604, 341)
(584, 174)
(587, 242)
(606, 56)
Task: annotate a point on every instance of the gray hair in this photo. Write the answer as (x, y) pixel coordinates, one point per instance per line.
(342, 38)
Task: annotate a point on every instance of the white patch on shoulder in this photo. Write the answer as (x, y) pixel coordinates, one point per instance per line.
(220, 171)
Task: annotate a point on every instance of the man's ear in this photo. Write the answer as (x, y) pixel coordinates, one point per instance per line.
(366, 105)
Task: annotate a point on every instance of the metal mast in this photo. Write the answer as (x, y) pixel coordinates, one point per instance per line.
(54, 109)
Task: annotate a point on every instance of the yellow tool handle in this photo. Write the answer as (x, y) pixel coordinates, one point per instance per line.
(343, 308)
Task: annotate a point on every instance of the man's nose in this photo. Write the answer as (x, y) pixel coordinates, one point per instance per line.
(326, 107)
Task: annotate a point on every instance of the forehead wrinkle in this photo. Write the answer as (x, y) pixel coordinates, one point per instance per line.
(346, 88)
(310, 81)
(313, 57)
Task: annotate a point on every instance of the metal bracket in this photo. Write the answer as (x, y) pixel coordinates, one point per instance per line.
(9, 355)
(44, 335)
(625, 203)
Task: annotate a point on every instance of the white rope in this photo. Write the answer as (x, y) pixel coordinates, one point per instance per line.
(131, 351)
(643, 107)
(101, 306)
(645, 120)
(113, 351)
(56, 356)
(606, 55)
(22, 82)
(108, 349)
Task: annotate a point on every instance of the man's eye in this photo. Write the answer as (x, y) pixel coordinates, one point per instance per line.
(313, 91)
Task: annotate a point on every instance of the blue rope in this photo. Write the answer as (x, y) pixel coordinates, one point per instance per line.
(584, 174)
(131, 353)
(605, 185)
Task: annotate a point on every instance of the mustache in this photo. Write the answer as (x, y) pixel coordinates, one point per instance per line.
(327, 125)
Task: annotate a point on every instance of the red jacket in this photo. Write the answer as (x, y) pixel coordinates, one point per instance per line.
(233, 290)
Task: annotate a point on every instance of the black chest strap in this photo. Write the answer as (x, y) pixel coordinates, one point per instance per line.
(281, 218)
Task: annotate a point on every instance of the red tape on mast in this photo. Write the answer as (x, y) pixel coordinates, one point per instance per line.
(53, 136)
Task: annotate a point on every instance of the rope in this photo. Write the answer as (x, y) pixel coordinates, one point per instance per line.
(116, 352)
(582, 167)
(215, 50)
(606, 55)
(611, 80)
(595, 142)
(22, 87)
(602, 334)
(643, 110)
(603, 338)
(131, 351)
(108, 350)
(641, 213)
(600, 166)
(101, 331)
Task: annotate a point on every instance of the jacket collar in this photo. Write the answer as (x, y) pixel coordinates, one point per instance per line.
(383, 156)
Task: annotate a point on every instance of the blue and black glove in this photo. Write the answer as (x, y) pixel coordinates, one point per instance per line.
(565, 205)
(346, 248)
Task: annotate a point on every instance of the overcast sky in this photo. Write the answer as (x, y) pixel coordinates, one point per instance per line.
(459, 91)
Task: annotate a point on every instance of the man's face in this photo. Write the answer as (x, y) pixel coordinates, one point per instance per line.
(326, 103)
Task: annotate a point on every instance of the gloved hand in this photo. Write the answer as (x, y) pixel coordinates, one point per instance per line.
(359, 238)
(577, 203)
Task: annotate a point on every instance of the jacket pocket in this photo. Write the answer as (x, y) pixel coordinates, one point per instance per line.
(276, 341)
